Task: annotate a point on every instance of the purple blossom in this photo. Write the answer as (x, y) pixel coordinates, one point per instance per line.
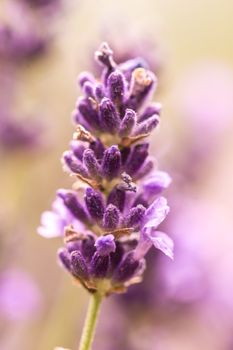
(110, 227)
(156, 183)
(53, 222)
(16, 134)
(154, 216)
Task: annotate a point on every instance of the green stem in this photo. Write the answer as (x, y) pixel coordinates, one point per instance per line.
(90, 322)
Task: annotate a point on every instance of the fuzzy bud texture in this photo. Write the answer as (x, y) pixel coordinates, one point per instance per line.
(109, 220)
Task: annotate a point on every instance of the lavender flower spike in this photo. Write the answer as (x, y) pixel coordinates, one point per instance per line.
(111, 218)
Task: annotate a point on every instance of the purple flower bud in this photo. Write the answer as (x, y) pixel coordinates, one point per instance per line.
(64, 258)
(71, 202)
(89, 89)
(109, 118)
(78, 149)
(105, 245)
(135, 216)
(146, 126)
(99, 92)
(78, 265)
(145, 169)
(127, 123)
(116, 86)
(98, 148)
(94, 203)
(90, 114)
(153, 109)
(136, 158)
(73, 245)
(111, 163)
(117, 198)
(127, 268)
(99, 265)
(77, 118)
(85, 77)
(111, 217)
(88, 248)
(91, 163)
(73, 164)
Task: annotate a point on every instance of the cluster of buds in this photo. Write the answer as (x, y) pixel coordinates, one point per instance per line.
(109, 219)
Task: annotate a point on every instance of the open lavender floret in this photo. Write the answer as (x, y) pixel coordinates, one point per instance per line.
(109, 219)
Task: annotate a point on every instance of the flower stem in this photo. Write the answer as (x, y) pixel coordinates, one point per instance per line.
(90, 322)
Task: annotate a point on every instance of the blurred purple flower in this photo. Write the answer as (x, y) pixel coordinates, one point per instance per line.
(204, 98)
(185, 281)
(20, 298)
(26, 33)
(40, 4)
(20, 36)
(17, 46)
(16, 134)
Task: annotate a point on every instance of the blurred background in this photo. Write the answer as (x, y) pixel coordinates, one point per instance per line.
(44, 44)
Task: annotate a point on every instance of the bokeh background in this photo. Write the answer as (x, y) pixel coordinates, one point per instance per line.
(185, 304)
